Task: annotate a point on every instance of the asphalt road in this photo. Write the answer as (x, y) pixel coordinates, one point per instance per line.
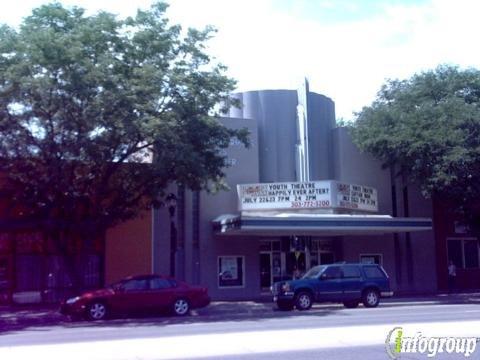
(327, 332)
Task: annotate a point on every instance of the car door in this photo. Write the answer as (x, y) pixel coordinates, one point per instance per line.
(329, 284)
(132, 295)
(352, 282)
(162, 293)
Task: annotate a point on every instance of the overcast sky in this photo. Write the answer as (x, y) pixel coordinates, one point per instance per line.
(346, 48)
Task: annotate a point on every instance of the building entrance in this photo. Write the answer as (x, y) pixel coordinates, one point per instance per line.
(271, 268)
(279, 262)
(296, 264)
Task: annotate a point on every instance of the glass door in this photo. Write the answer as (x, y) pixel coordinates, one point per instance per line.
(296, 265)
(265, 270)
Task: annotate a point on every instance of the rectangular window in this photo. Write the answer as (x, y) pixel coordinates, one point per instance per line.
(464, 253)
(333, 272)
(313, 259)
(29, 242)
(471, 253)
(89, 266)
(371, 259)
(5, 243)
(327, 258)
(159, 283)
(351, 272)
(56, 272)
(275, 245)
(135, 285)
(29, 270)
(455, 252)
(265, 246)
(373, 272)
(4, 273)
(231, 271)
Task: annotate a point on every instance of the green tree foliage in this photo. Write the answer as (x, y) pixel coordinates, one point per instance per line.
(429, 125)
(85, 100)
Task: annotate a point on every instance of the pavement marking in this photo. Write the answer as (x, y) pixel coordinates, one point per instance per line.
(236, 343)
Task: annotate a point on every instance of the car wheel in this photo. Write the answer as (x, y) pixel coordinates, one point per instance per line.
(97, 311)
(371, 298)
(181, 307)
(303, 301)
(351, 304)
(285, 305)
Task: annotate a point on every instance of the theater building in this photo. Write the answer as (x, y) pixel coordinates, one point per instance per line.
(302, 194)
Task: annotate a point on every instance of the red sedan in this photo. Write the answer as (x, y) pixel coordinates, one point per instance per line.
(137, 293)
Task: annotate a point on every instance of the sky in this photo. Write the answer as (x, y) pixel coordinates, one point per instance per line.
(346, 48)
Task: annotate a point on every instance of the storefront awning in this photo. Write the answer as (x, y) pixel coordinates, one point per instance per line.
(317, 224)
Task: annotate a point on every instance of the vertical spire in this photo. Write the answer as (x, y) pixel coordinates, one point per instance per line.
(302, 151)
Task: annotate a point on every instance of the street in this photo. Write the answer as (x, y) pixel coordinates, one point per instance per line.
(327, 331)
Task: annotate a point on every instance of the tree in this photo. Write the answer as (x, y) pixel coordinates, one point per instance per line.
(86, 101)
(429, 126)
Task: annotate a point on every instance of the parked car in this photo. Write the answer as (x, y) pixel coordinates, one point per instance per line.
(146, 293)
(346, 283)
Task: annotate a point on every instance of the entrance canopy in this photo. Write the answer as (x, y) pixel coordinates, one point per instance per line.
(316, 224)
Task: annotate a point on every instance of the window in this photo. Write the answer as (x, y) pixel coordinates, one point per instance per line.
(4, 274)
(327, 258)
(159, 283)
(29, 272)
(351, 272)
(29, 243)
(135, 285)
(56, 273)
(471, 253)
(464, 253)
(373, 272)
(314, 272)
(89, 266)
(455, 253)
(270, 245)
(371, 259)
(230, 271)
(333, 272)
(275, 245)
(265, 246)
(5, 243)
(321, 253)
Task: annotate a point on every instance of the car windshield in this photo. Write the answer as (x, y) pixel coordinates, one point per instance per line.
(314, 272)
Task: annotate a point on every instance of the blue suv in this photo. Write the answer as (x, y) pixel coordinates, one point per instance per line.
(347, 283)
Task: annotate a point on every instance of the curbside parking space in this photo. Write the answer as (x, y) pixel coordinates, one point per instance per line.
(16, 318)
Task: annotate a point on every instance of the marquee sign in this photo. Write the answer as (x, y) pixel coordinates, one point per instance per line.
(307, 195)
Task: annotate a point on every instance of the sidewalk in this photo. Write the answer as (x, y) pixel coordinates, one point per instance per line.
(15, 318)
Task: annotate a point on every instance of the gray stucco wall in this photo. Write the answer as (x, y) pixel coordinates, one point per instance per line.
(353, 166)
(321, 113)
(422, 249)
(276, 114)
(244, 170)
(202, 268)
